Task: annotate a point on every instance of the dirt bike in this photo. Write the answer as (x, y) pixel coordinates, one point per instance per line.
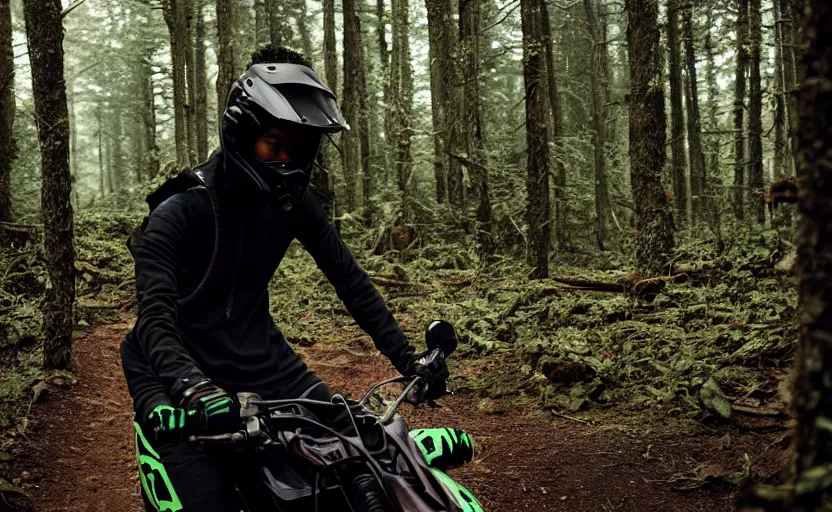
(301, 464)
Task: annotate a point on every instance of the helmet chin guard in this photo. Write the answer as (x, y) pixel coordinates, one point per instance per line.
(290, 96)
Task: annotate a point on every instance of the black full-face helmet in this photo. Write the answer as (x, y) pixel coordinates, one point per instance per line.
(273, 124)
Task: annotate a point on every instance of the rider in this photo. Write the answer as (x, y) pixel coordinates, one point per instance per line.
(204, 258)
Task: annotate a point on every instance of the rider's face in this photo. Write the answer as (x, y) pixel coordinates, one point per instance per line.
(280, 144)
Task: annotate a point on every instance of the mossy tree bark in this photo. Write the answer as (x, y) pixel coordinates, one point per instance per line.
(323, 178)
(200, 84)
(537, 138)
(755, 115)
(740, 163)
(45, 33)
(472, 123)
(7, 110)
(225, 52)
(401, 100)
(174, 13)
(441, 39)
(653, 219)
(813, 391)
(598, 83)
(677, 116)
(696, 155)
(280, 31)
(556, 126)
(351, 139)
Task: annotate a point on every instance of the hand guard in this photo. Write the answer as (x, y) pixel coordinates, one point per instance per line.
(433, 369)
(213, 410)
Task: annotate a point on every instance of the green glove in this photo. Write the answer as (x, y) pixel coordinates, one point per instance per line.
(166, 423)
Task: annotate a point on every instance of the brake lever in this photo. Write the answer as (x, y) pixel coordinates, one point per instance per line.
(230, 438)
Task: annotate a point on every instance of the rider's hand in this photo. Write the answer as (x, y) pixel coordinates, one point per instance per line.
(165, 424)
(212, 409)
(433, 369)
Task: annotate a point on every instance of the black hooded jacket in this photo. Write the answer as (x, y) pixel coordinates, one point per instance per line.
(194, 324)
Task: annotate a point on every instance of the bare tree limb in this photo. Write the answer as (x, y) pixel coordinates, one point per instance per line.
(74, 5)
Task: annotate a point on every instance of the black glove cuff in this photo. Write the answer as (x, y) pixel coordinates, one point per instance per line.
(191, 391)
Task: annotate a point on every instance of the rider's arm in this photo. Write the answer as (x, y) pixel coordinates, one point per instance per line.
(351, 283)
(145, 387)
(158, 261)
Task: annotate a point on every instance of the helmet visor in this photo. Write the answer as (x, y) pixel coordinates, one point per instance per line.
(294, 93)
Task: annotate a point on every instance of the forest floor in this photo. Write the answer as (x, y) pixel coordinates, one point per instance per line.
(78, 453)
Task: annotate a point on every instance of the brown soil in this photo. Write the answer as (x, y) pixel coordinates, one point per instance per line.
(80, 457)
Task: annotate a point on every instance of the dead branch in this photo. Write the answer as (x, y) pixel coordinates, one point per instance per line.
(582, 284)
(102, 274)
(383, 281)
(462, 283)
(759, 411)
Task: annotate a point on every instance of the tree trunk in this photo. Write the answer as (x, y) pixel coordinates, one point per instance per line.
(384, 57)
(755, 117)
(305, 33)
(677, 118)
(739, 110)
(225, 52)
(537, 138)
(367, 180)
(653, 221)
(7, 111)
(330, 46)
(200, 85)
(117, 166)
(325, 182)
(813, 389)
(787, 30)
(441, 41)
(280, 32)
(557, 129)
(477, 166)
(46, 54)
(102, 171)
(73, 145)
(261, 23)
(351, 139)
(713, 174)
(174, 14)
(381, 38)
(696, 155)
(781, 160)
(401, 98)
(190, 107)
(599, 121)
(151, 149)
(109, 165)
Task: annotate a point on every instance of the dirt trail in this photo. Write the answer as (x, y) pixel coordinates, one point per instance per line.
(80, 453)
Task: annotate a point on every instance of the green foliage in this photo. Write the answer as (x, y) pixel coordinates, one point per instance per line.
(697, 347)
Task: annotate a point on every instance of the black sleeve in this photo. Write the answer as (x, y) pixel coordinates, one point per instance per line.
(351, 283)
(158, 261)
(145, 387)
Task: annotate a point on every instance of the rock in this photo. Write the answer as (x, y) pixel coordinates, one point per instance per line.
(714, 399)
(38, 389)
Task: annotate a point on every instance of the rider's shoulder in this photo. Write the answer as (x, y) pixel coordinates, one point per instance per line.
(185, 205)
